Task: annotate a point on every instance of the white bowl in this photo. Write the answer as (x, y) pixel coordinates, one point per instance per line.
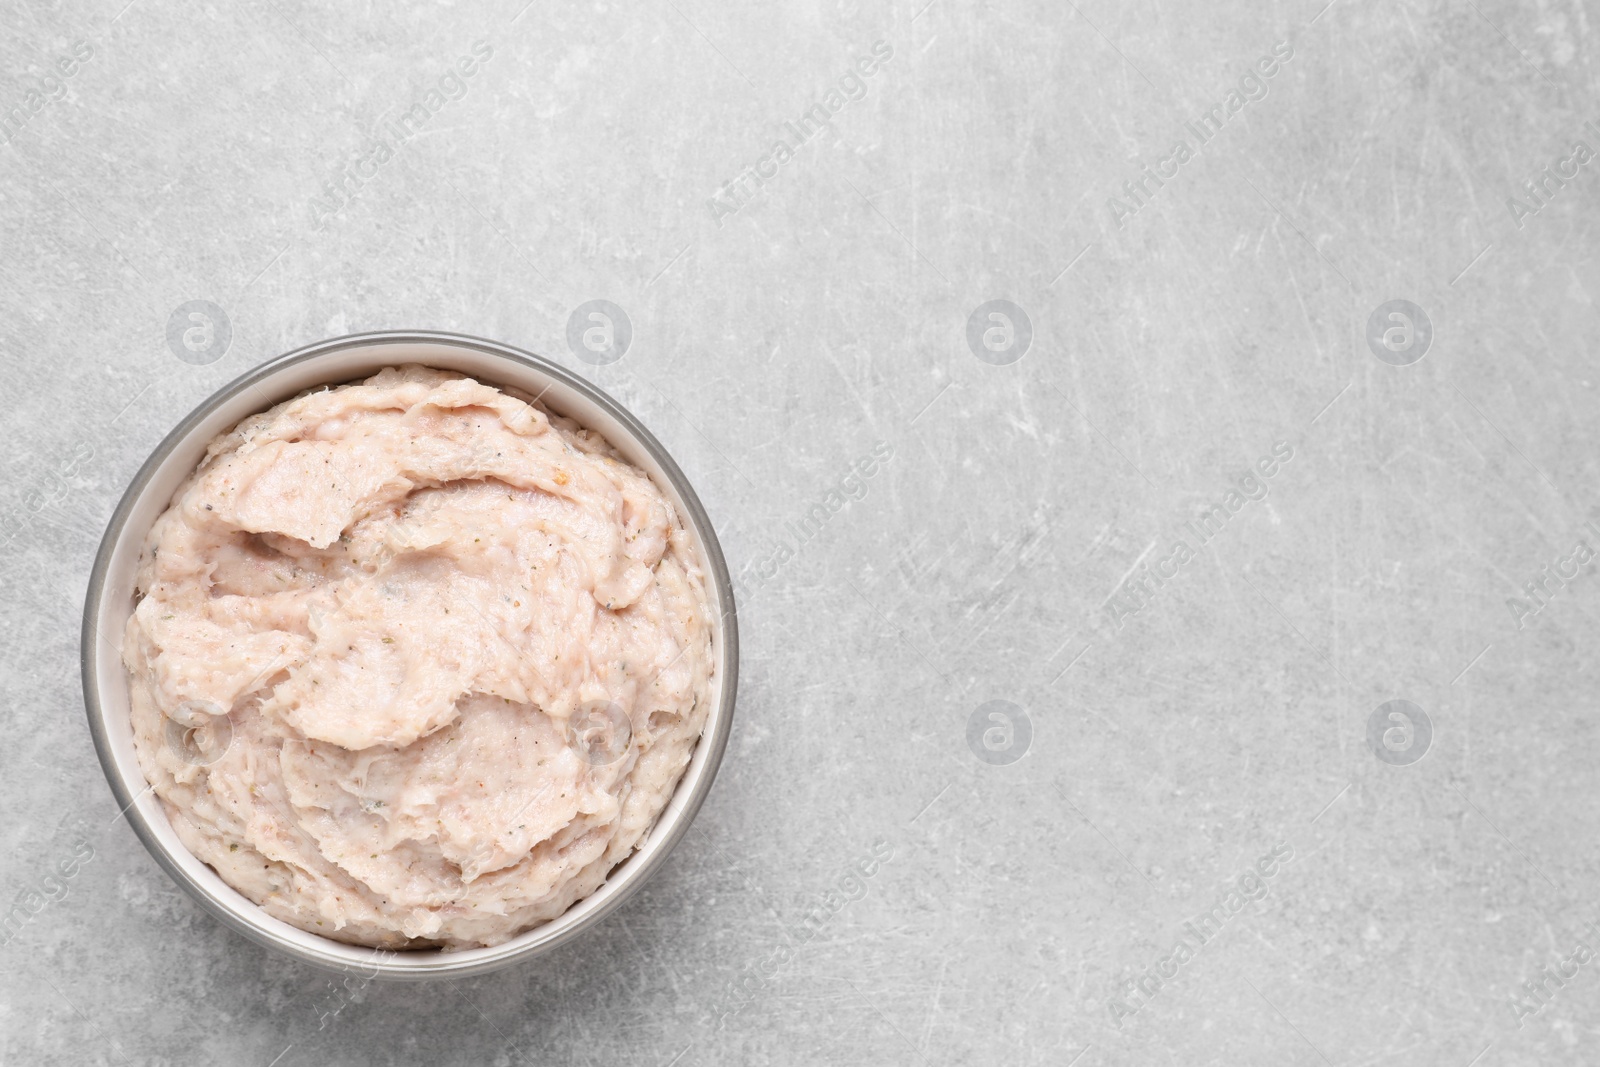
(110, 602)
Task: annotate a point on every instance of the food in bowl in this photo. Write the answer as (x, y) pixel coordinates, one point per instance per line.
(416, 662)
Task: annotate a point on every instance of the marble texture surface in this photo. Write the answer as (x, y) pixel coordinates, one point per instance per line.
(1176, 729)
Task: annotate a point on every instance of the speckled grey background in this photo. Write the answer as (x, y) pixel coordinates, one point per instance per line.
(779, 332)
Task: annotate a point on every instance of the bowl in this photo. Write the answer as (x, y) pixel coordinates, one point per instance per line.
(110, 603)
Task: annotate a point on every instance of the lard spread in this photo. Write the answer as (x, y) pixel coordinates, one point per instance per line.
(416, 662)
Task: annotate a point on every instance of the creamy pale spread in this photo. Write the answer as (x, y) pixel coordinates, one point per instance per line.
(416, 662)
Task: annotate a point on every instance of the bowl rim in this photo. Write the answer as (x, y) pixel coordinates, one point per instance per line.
(623, 880)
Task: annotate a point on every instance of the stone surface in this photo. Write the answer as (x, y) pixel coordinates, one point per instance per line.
(1175, 735)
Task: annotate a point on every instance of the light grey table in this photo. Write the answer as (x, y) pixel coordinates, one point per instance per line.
(1173, 717)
